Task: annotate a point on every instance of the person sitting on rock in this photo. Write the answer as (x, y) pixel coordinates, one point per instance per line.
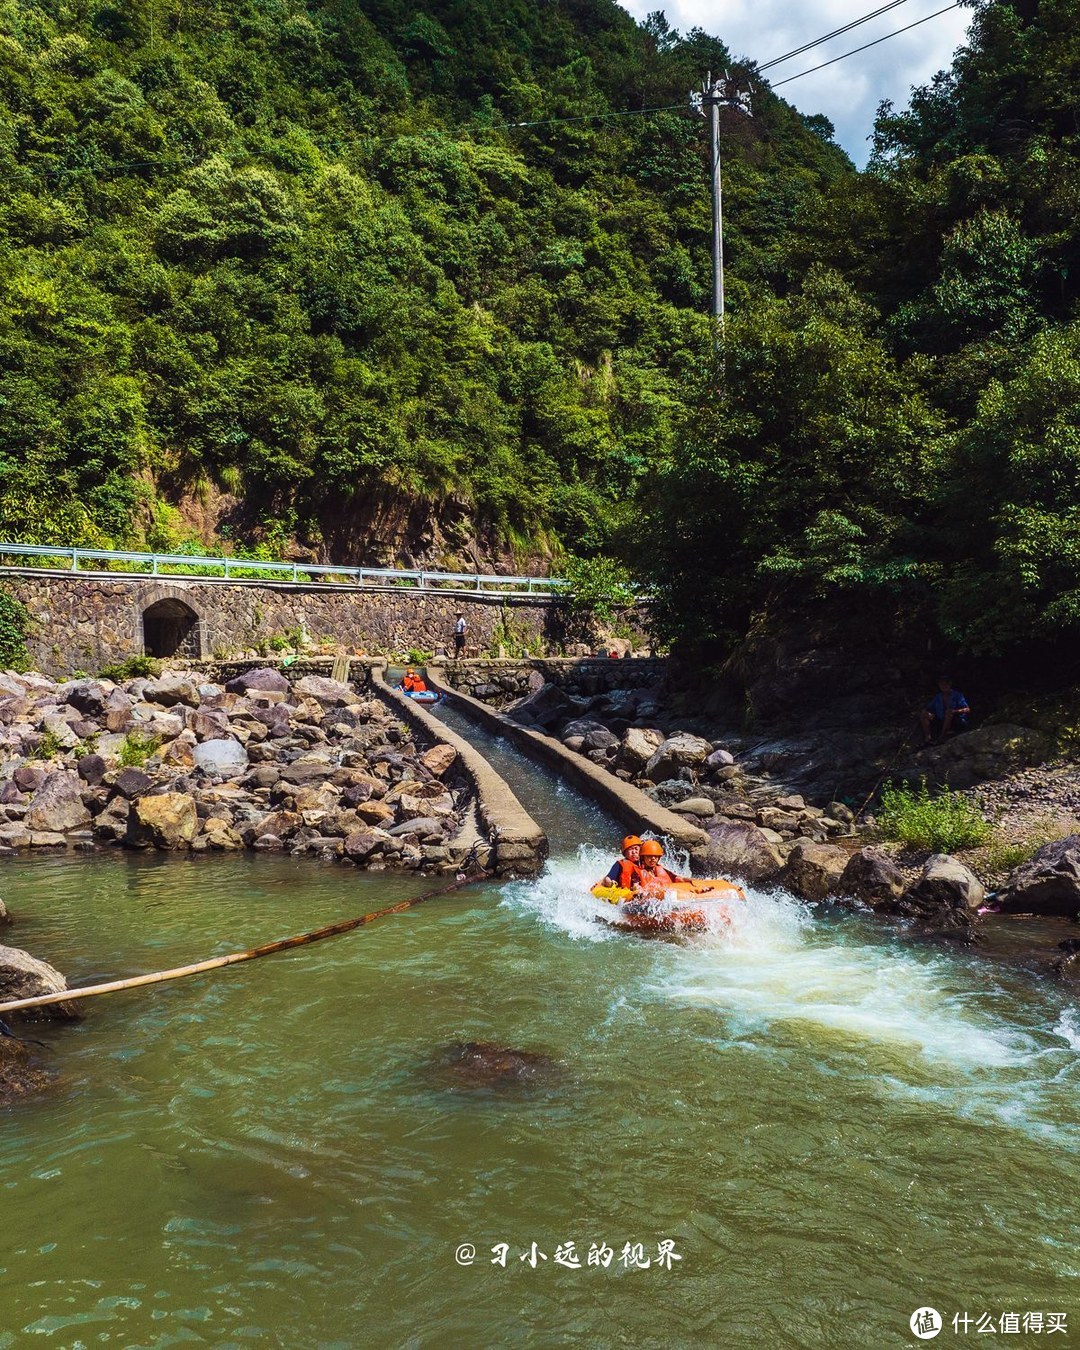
(946, 714)
(626, 872)
(412, 683)
(656, 873)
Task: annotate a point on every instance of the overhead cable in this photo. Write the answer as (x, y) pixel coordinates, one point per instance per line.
(867, 45)
(836, 32)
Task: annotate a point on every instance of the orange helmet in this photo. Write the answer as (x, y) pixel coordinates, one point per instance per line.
(631, 841)
(651, 849)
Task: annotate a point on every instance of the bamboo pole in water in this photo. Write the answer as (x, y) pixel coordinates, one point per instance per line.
(234, 958)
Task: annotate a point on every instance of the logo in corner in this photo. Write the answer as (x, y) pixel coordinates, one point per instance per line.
(925, 1323)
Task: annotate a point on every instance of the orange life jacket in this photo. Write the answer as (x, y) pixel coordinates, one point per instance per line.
(630, 875)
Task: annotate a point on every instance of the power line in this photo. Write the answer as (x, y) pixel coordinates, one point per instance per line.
(836, 32)
(866, 46)
(595, 117)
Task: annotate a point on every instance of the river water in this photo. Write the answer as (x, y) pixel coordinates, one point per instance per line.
(833, 1127)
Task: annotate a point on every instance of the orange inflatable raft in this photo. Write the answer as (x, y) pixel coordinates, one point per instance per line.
(681, 907)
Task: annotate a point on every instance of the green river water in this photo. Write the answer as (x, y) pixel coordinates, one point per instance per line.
(833, 1127)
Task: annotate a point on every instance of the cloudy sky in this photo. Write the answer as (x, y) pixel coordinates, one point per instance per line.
(849, 92)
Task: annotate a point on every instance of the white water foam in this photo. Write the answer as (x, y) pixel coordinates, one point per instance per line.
(767, 962)
(921, 1026)
(1069, 1028)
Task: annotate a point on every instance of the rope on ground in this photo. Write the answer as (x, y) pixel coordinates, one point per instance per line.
(234, 958)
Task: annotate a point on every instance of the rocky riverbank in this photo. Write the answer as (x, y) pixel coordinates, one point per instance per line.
(314, 768)
(766, 834)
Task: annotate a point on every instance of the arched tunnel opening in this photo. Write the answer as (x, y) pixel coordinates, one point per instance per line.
(171, 628)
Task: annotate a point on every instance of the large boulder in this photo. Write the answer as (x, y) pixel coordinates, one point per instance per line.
(677, 752)
(57, 806)
(740, 850)
(225, 758)
(90, 697)
(168, 821)
(987, 752)
(639, 744)
(872, 877)
(329, 693)
(263, 680)
(695, 806)
(172, 689)
(439, 760)
(813, 871)
(548, 705)
(946, 889)
(92, 769)
(24, 976)
(1048, 883)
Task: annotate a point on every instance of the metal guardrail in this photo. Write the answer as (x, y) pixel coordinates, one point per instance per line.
(233, 569)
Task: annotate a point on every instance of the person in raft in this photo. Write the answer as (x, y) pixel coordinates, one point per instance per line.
(412, 683)
(946, 713)
(626, 872)
(655, 872)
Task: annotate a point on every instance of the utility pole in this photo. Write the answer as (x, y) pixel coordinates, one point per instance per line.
(723, 92)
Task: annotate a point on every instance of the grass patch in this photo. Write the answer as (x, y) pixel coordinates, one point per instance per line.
(134, 668)
(137, 749)
(1003, 855)
(48, 747)
(941, 823)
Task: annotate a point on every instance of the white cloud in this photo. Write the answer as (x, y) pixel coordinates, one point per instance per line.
(849, 92)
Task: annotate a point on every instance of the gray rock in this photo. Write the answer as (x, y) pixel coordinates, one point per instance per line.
(92, 769)
(671, 792)
(945, 885)
(600, 739)
(225, 758)
(172, 689)
(57, 805)
(24, 976)
(677, 752)
(740, 850)
(132, 783)
(545, 707)
(639, 744)
(330, 693)
(695, 806)
(872, 877)
(88, 696)
(264, 678)
(1048, 883)
(838, 811)
(813, 871)
(13, 834)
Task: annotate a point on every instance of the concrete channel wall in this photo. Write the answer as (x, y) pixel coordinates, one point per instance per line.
(519, 845)
(627, 804)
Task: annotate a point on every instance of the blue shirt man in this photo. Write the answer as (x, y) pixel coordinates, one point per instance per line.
(947, 712)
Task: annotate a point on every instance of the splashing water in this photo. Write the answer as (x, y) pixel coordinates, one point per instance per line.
(773, 975)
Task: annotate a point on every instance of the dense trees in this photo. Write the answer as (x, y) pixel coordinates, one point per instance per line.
(901, 431)
(286, 259)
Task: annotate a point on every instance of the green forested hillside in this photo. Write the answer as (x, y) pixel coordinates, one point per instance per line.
(900, 437)
(290, 266)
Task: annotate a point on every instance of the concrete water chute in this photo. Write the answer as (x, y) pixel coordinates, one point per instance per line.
(171, 628)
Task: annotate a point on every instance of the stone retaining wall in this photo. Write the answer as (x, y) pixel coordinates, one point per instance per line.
(499, 682)
(84, 624)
